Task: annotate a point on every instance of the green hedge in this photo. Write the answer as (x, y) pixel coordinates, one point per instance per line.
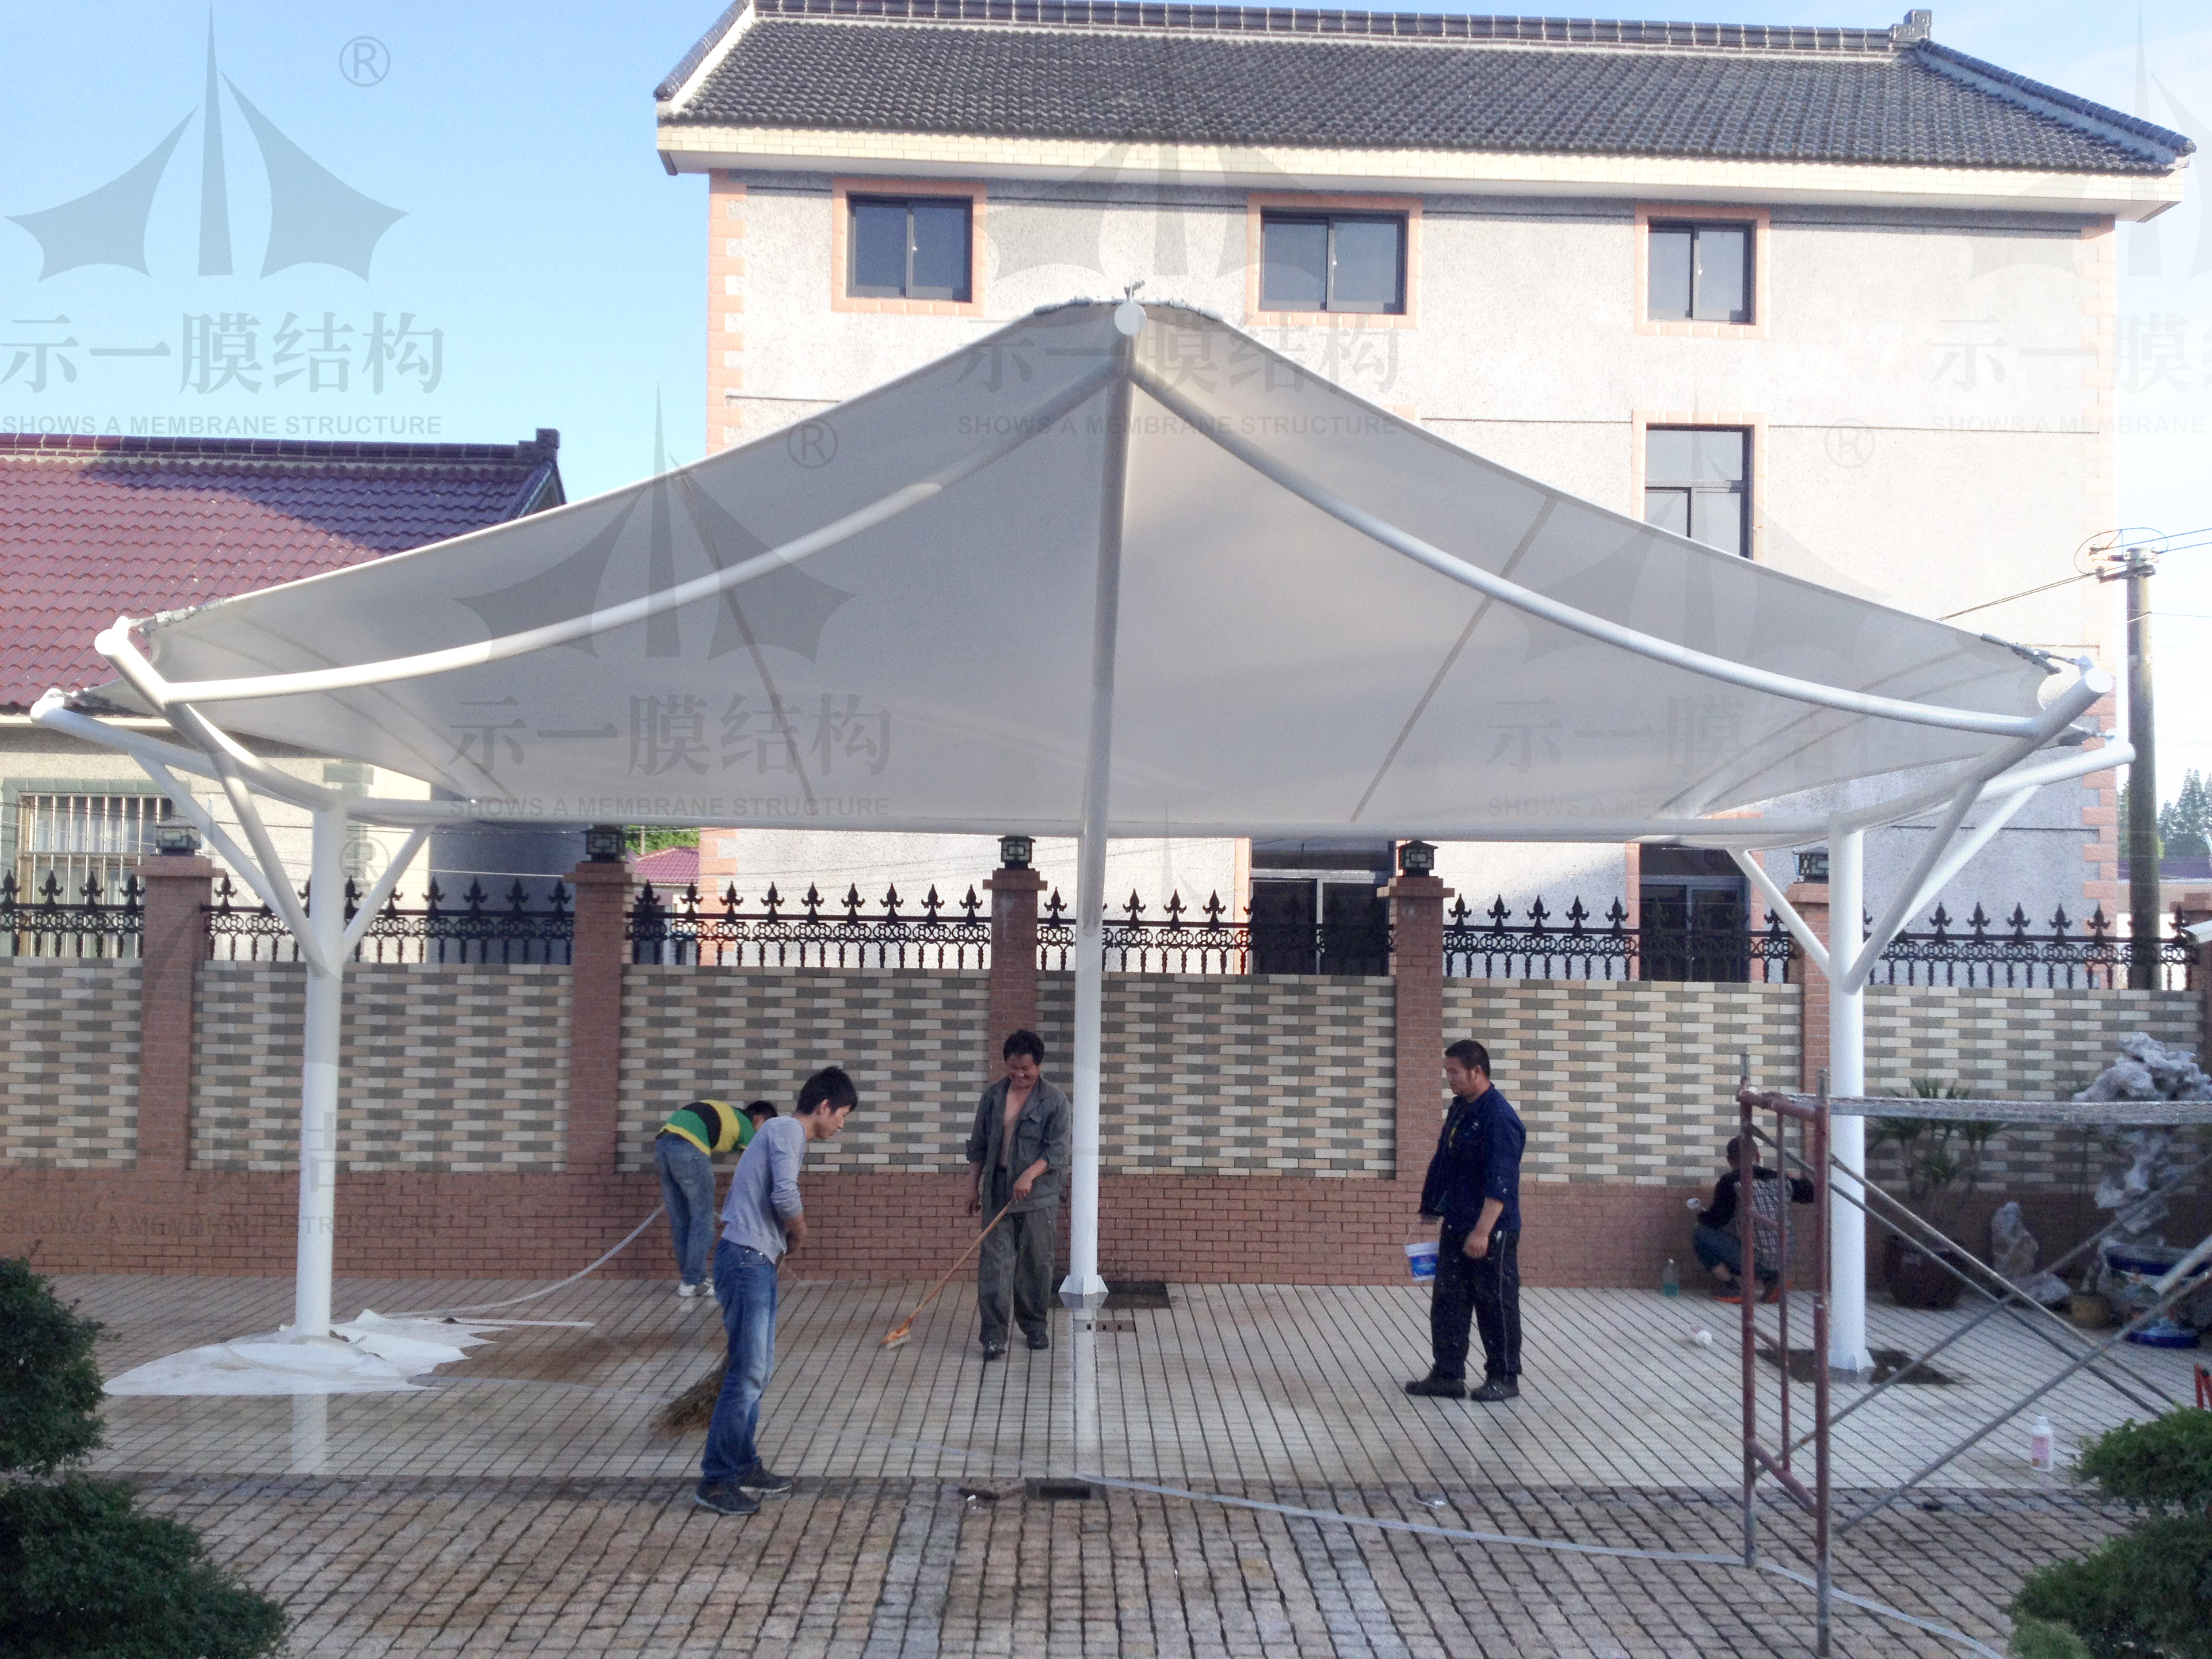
(82, 1574)
(2147, 1594)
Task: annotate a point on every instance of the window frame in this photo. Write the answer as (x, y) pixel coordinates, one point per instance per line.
(843, 195)
(1329, 223)
(1261, 205)
(1752, 425)
(1653, 215)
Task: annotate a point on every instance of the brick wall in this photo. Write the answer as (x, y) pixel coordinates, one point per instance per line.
(1625, 1081)
(1626, 1088)
(910, 1039)
(2021, 1045)
(68, 1091)
(451, 1068)
(1275, 1075)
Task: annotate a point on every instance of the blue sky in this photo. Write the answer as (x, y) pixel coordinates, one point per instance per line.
(547, 271)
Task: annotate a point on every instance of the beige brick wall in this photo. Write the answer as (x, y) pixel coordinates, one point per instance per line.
(444, 1067)
(2017, 1045)
(69, 1088)
(1265, 1074)
(1625, 1081)
(911, 1041)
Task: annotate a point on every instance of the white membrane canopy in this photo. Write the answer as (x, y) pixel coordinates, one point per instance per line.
(1280, 663)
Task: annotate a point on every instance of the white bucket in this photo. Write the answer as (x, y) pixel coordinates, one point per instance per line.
(1421, 1257)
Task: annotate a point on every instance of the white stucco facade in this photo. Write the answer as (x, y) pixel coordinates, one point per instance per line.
(1927, 388)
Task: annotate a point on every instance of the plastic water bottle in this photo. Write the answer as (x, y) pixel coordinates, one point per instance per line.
(1670, 1282)
(2040, 1452)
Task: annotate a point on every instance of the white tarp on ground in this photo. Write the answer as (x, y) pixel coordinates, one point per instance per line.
(370, 1354)
(1275, 669)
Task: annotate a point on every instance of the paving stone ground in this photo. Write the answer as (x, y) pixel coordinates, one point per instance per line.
(524, 1503)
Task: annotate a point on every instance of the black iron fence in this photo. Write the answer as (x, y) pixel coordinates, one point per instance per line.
(1570, 947)
(91, 924)
(1992, 956)
(680, 929)
(1211, 941)
(520, 932)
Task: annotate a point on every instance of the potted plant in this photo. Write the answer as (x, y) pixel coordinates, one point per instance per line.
(1940, 1161)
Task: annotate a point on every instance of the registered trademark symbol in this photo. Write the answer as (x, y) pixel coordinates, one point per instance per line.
(364, 60)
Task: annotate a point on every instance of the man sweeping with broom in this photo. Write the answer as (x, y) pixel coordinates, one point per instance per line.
(762, 1221)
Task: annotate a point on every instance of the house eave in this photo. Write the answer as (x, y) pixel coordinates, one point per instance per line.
(687, 146)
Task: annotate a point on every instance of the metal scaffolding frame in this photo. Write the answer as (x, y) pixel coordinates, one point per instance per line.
(1833, 1178)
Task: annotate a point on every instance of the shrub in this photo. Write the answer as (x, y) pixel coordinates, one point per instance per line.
(2143, 1595)
(2162, 1466)
(83, 1575)
(49, 1385)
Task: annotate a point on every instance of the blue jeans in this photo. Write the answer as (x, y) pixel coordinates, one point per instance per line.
(687, 1188)
(745, 1281)
(1721, 1247)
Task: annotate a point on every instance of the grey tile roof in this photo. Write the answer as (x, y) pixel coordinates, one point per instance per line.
(1093, 69)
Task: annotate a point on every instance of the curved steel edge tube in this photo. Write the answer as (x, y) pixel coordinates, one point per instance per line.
(1581, 622)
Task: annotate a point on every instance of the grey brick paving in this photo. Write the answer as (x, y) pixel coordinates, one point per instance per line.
(875, 1569)
(523, 1503)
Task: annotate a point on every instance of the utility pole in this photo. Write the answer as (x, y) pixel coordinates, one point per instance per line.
(2142, 843)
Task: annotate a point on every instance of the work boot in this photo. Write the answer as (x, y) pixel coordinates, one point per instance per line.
(1433, 1387)
(725, 1497)
(1495, 1389)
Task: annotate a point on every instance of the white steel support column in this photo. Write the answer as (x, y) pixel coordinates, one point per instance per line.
(1083, 1290)
(319, 1081)
(1847, 1344)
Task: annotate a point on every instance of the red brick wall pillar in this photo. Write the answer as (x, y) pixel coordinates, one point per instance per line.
(1416, 974)
(595, 1008)
(175, 944)
(2194, 908)
(1014, 962)
(1811, 900)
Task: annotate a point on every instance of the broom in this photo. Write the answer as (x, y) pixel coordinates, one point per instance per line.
(903, 1333)
(695, 1407)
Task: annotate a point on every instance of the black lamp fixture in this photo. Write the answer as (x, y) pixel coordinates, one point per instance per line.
(176, 838)
(1813, 866)
(1417, 858)
(603, 843)
(1014, 851)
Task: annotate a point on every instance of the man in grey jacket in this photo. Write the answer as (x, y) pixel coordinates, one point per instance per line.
(763, 1221)
(1018, 1163)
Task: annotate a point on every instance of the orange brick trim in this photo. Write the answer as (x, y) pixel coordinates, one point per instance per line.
(176, 942)
(841, 189)
(1416, 983)
(725, 310)
(1014, 962)
(1758, 218)
(1640, 420)
(600, 948)
(1258, 201)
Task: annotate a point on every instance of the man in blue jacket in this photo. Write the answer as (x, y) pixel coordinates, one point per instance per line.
(1474, 1186)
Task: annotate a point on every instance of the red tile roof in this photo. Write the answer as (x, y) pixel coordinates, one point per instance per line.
(674, 868)
(92, 528)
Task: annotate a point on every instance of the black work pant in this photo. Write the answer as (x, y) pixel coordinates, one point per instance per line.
(1015, 1265)
(1485, 1293)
